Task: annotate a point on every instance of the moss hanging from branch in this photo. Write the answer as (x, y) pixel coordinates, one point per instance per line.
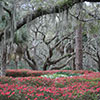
(63, 4)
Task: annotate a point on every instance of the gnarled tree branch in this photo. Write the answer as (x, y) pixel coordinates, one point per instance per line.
(64, 65)
(63, 5)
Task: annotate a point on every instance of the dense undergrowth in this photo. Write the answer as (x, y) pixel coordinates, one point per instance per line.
(85, 86)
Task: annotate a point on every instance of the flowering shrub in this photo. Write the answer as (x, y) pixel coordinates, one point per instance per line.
(28, 72)
(83, 87)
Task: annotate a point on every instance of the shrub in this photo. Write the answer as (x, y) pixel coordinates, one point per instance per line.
(83, 87)
(28, 72)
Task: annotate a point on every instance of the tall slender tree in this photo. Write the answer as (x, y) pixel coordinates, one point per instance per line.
(78, 47)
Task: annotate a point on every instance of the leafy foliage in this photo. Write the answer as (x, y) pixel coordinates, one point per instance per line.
(61, 74)
(62, 88)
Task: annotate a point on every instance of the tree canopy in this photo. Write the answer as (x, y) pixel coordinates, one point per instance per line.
(40, 11)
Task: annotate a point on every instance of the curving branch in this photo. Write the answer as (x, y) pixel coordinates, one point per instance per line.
(7, 10)
(63, 5)
(62, 39)
(53, 38)
(82, 20)
(30, 61)
(64, 65)
(92, 56)
(43, 11)
(61, 58)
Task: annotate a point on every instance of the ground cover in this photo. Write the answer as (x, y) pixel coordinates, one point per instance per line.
(84, 86)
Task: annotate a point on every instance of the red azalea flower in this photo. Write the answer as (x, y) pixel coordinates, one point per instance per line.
(7, 93)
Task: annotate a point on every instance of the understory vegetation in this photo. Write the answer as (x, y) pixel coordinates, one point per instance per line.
(77, 85)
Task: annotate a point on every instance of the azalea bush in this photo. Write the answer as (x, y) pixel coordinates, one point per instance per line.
(82, 87)
(28, 72)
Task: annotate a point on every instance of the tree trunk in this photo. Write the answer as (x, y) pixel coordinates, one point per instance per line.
(34, 67)
(74, 66)
(45, 67)
(31, 63)
(3, 65)
(3, 70)
(98, 66)
(79, 53)
(98, 61)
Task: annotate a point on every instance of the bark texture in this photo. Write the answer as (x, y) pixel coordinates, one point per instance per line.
(79, 53)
